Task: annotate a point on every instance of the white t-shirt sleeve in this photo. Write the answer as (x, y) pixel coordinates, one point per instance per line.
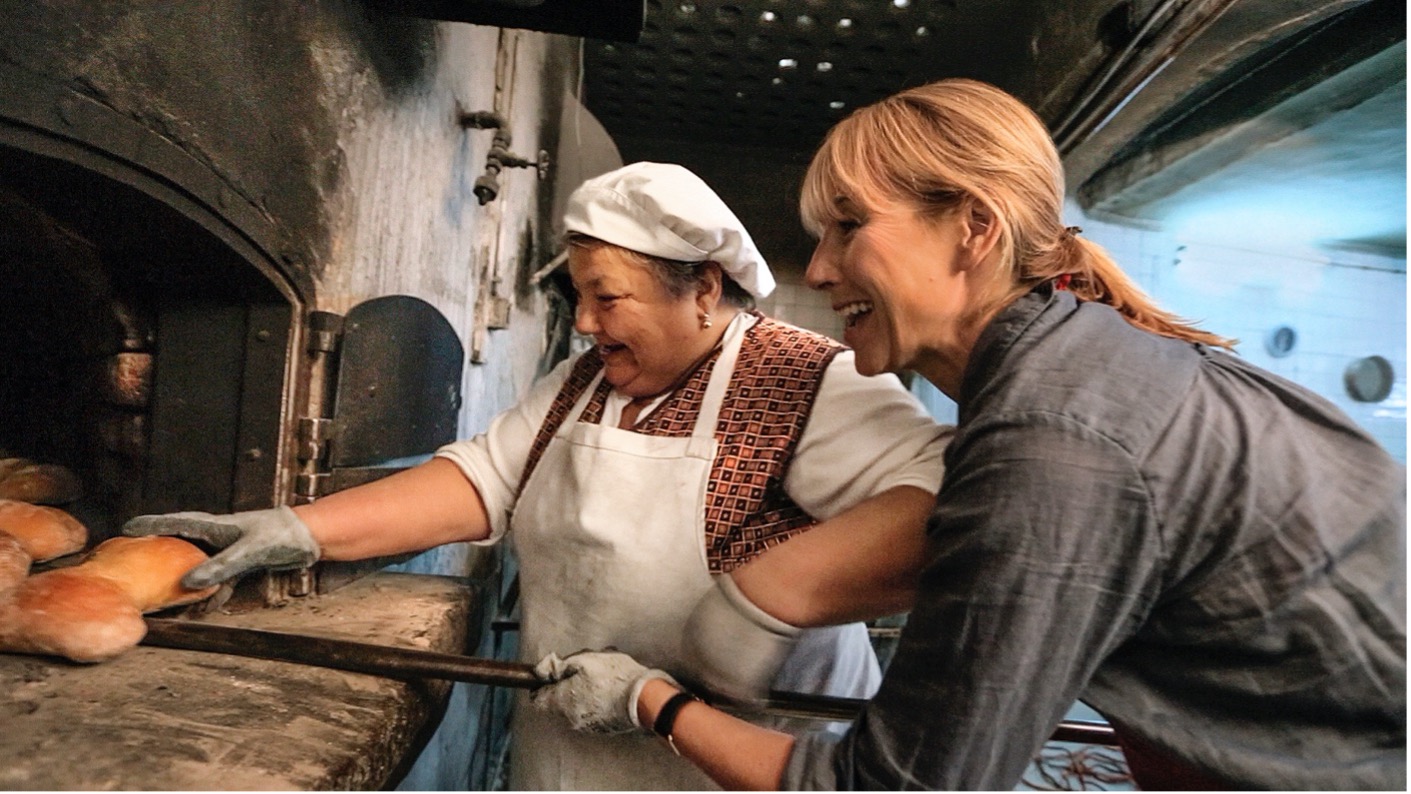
(864, 436)
(494, 460)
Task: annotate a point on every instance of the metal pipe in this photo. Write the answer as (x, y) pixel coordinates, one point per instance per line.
(1127, 73)
(481, 120)
(355, 657)
(836, 709)
(412, 664)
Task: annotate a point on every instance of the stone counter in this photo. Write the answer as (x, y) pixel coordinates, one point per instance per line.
(162, 719)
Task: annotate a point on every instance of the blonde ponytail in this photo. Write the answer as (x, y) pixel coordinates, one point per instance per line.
(1085, 269)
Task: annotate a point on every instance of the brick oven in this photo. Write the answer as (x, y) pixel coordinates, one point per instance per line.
(256, 251)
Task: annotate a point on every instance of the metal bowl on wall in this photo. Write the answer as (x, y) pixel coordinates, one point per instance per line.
(1280, 341)
(1369, 379)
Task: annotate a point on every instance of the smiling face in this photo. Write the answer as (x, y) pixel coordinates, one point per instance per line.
(647, 337)
(902, 282)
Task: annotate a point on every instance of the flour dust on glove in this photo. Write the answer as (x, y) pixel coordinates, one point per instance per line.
(274, 540)
(731, 647)
(596, 691)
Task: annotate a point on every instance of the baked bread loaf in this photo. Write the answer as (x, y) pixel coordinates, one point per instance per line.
(14, 562)
(38, 483)
(149, 569)
(44, 532)
(93, 611)
(65, 613)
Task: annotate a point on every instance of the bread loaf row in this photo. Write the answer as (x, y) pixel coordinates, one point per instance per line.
(34, 533)
(93, 610)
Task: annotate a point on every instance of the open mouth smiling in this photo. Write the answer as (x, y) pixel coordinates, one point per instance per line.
(854, 311)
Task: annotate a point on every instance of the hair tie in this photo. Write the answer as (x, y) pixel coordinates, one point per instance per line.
(1072, 231)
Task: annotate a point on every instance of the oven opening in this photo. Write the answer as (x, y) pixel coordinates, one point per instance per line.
(144, 355)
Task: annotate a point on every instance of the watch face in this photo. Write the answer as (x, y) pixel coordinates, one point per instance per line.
(1369, 379)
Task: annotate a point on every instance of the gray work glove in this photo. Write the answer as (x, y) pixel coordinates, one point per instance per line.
(732, 647)
(596, 691)
(273, 539)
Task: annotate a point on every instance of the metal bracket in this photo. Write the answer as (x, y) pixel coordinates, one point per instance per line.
(314, 433)
(497, 309)
(492, 312)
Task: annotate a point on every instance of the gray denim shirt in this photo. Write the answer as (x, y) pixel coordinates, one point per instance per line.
(1209, 555)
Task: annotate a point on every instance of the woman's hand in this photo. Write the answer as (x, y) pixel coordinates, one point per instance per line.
(274, 540)
(609, 692)
(596, 691)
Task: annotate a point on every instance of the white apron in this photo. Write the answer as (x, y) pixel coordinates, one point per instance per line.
(610, 533)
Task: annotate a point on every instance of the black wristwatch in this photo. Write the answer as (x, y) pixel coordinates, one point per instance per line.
(666, 718)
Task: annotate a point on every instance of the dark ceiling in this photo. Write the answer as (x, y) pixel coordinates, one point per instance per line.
(1146, 98)
(1248, 112)
(779, 73)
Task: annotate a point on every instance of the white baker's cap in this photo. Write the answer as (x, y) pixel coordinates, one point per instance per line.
(664, 210)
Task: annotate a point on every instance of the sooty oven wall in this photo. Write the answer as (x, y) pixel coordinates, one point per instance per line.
(182, 183)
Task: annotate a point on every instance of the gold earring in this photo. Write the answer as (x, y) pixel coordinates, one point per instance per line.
(705, 320)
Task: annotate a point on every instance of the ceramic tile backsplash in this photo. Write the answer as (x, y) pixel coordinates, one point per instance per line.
(794, 302)
(1339, 308)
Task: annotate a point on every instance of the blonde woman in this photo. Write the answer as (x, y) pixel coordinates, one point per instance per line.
(1209, 555)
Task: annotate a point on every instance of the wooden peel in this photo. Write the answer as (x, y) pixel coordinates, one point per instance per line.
(411, 664)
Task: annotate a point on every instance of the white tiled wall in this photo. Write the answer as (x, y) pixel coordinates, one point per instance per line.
(793, 302)
(1341, 309)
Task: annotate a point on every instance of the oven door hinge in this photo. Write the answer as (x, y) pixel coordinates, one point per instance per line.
(316, 430)
(325, 331)
(315, 433)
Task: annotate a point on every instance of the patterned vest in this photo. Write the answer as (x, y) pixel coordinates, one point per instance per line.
(767, 403)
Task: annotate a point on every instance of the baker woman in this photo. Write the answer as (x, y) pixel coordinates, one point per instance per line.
(691, 437)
